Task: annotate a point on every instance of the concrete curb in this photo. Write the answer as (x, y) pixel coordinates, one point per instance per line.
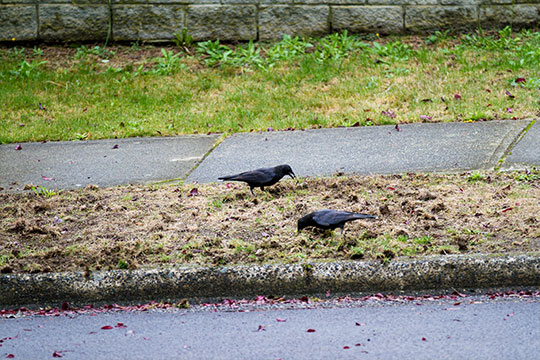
(169, 284)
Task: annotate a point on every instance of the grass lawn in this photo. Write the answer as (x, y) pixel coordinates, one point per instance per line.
(129, 227)
(91, 92)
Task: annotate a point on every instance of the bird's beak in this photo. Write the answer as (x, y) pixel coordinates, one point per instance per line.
(293, 176)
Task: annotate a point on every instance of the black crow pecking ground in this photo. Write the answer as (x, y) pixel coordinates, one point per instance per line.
(261, 177)
(330, 219)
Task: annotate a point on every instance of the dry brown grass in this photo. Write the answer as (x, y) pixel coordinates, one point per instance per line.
(138, 226)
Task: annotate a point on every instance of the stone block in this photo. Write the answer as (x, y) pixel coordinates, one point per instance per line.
(67, 22)
(496, 16)
(403, 2)
(421, 18)
(331, 2)
(18, 22)
(147, 22)
(172, 2)
(374, 19)
(277, 2)
(510, 2)
(17, 2)
(464, 2)
(276, 21)
(223, 22)
(73, 2)
(237, 2)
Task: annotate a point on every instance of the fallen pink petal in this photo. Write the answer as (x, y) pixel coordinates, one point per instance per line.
(425, 117)
(47, 178)
(115, 146)
(18, 147)
(346, 347)
(520, 80)
(397, 127)
(194, 192)
(509, 110)
(509, 94)
(389, 113)
(280, 320)
(457, 96)
(106, 327)
(57, 354)
(310, 330)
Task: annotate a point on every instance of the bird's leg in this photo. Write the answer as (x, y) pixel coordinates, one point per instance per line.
(342, 230)
(251, 188)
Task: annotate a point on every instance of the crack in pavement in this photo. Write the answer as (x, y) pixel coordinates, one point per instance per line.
(511, 145)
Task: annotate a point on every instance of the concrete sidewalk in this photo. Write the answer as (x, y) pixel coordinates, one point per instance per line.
(370, 150)
(75, 164)
(364, 150)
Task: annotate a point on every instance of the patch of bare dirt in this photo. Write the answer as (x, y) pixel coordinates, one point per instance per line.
(139, 226)
(116, 56)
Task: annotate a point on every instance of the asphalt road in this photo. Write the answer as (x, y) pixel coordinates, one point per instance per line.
(472, 328)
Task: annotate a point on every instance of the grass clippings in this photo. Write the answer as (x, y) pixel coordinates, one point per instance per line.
(127, 227)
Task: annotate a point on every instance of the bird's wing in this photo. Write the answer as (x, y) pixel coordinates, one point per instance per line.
(333, 217)
(255, 176)
(325, 217)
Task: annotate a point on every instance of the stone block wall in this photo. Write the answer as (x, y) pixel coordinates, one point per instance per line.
(158, 20)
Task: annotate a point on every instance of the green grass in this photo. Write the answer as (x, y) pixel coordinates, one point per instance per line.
(338, 80)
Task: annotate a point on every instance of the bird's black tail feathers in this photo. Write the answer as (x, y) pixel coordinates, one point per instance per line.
(363, 216)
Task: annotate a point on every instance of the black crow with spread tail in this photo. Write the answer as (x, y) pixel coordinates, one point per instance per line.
(330, 219)
(262, 177)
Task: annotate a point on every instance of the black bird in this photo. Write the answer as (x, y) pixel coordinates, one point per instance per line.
(262, 177)
(330, 219)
